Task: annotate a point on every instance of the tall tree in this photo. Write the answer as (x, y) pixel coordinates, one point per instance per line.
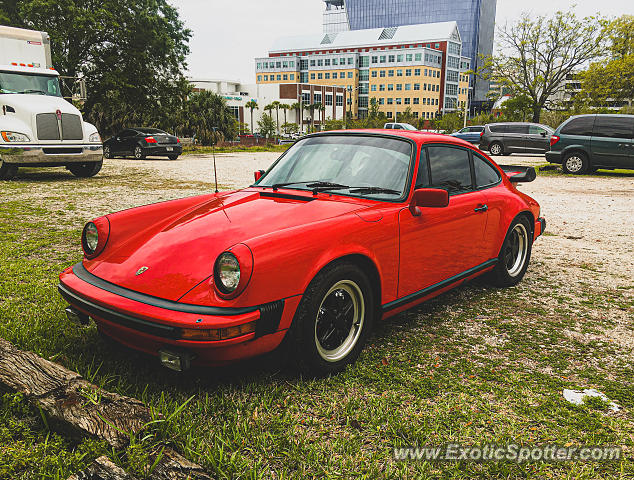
(132, 54)
(206, 112)
(297, 107)
(538, 53)
(252, 105)
(285, 107)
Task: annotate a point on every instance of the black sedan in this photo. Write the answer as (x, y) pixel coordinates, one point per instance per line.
(142, 142)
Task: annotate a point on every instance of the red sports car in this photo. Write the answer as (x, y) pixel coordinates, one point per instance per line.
(344, 229)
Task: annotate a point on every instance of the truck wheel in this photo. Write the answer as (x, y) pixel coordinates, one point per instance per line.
(576, 163)
(7, 170)
(138, 153)
(84, 170)
(333, 320)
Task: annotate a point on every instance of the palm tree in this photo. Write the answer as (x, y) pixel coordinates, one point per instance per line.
(276, 104)
(321, 108)
(296, 106)
(309, 107)
(285, 107)
(252, 105)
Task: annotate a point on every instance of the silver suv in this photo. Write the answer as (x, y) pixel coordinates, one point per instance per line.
(505, 138)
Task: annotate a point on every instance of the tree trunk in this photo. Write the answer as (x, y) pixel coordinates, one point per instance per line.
(537, 111)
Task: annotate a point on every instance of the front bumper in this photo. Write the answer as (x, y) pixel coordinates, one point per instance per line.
(50, 155)
(553, 157)
(153, 325)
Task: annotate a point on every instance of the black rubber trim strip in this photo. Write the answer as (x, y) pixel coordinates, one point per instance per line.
(437, 286)
(287, 196)
(152, 328)
(95, 281)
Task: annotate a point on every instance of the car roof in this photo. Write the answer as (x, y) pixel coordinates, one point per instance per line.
(417, 136)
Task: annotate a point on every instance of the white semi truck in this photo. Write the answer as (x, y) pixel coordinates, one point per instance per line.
(38, 127)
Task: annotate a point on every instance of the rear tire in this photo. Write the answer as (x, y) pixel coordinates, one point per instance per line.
(575, 163)
(496, 148)
(7, 170)
(333, 320)
(515, 254)
(172, 157)
(84, 170)
(138, 153)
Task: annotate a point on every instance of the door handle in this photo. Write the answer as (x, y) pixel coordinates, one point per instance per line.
(483, 208)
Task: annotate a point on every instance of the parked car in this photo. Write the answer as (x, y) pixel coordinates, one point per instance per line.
(343, 230)
(399, 126)
(142, 142)
(585, 143)
(507, 138)
(470, 134)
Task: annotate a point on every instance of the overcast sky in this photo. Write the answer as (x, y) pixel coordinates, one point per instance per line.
(227, 36)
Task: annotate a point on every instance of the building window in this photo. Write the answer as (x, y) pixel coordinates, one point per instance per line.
(390, 73)
(312, 63)
(351, 61)
(305, 98)
(312, 76)
(382, 58)
(415, 114)
(303, 77)
(259, 67)
(408, 86)
(418, 57)
(349, 74)
(279, 78)
(320, 62)
(389, 114)
(364, 75)
(278, 64)
(452, 76)
(375, 59)
(291, 64)
(374, 74)
(390, 87)
(363, 88)
(364, 62)
(399, 58)
(320, 76)
(327, 76)
(285, 77)
(437, 46)
(292, 76)
(259, 78)
(390, 101)
(317, 97)
(363, 102)
(452, 89)
(399, 73)
(381, 101)
(417, 86)
(266, 78)
(409, 57)
(399, 87)
(416, 100)
(453, 62)
(417, 72)
(329, 99)
(335, 61)
(382, 88)
(373, 88)
(285, 64)
(334, 75)
(327, 62)
(382, 74)
(408, 72)
(407, 101)
(392, 58)
(339, 100)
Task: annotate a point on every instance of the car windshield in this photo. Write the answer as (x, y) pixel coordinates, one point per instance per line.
(359, 165)
(13, 82)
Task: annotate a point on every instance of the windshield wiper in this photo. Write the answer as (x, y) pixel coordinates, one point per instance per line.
(374, 190)
(31, 90)
(275, 186)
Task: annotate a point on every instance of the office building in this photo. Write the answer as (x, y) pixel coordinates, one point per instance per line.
(475, 18)
(419, 67)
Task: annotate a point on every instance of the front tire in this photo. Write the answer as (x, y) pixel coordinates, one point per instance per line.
(496, 148)
(333, 320)
(139, 154)
(515, 254)
(575, 163)
(7, 170)
(84, 170)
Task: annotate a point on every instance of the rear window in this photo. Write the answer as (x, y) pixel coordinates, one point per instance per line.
(151, 131)
(579, 126)
(614, 127)
(498, 128)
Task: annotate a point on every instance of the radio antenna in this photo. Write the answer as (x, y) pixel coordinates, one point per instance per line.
(213, 150)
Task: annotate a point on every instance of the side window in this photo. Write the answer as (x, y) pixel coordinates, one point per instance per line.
(498, 128)
(516, 128)
(485, 174)
(613, 127)
(579, 126)
(422, 177)
(535, 130)
(450, 169)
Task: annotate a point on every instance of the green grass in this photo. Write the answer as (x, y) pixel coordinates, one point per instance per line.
(476, 365)
(551, 169)
(188, 150)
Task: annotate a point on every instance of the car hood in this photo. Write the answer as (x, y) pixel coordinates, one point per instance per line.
(181, 252)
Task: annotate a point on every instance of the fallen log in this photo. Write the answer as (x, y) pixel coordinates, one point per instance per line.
(102, 469)
(71, 403)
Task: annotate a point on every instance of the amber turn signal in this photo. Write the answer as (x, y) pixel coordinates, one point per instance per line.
(218, 333)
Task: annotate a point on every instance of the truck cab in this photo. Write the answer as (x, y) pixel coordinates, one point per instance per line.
(38, 127)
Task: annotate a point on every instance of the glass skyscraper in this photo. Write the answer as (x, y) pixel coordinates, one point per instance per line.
(475, 18)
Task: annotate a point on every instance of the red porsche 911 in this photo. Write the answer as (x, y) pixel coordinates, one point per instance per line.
(343, 230)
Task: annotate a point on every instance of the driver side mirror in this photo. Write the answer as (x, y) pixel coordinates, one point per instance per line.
(258, 174)
(428, 197)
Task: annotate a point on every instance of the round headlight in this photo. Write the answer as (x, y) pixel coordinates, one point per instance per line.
(91, 237)
(227, 272)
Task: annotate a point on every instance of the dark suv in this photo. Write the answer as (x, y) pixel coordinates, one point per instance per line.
(504, 138)
(584, 143)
